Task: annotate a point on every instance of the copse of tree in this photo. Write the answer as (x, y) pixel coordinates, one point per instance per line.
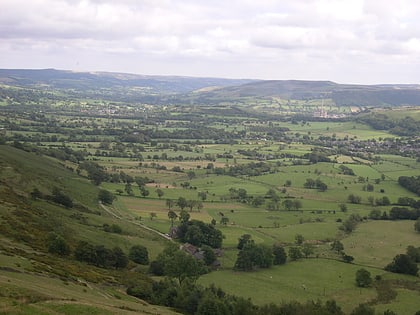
(350, 224)
(100, 256)
(414, 253)
(199, 233)
(59, 197)
(354, 199)
(177, 264)
(404, 264)
(113, 228)
(411, 183)
(96, 173)
(346, 170)
(253, 256)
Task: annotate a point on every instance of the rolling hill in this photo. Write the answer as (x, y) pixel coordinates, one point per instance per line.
(33, 280)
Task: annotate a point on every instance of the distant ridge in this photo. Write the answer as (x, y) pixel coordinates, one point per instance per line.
(213, 90)
(66, 79)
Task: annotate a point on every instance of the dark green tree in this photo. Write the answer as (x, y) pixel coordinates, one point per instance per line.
(106, 196)
(363, 278)
(139, 254)
(279, 254)
(403, 263)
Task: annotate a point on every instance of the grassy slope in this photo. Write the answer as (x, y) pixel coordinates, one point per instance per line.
(34, 282)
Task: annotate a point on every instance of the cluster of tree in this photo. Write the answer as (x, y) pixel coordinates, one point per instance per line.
(346, 170)
(402, 127)
(113, 228)
(183, 203)
(338, 247)
(177, 264)
(100, 256)
(350, 224)
(199, 233)
(292, 204)
(396, 213)
(56, 196)
(318, 184)
(249, 169)
(62, 153)
(95, 172)
(317, 156)
(411, 183)
(352, 198)
(252, 256)
(405, 263)
(190, 298)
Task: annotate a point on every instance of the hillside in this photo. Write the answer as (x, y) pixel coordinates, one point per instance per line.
(341, 94)
(35, 280)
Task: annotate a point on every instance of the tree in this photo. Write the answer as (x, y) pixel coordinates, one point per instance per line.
(153, 215)
(120, 258)
(106, 196)
(279, 254)
(354, 199)
(363, 278)
(139, 254)
(343, 207)
(128, 189)
(253, 256)
(169, 203)
(288, 204)
(159, 193)
(58, 245)
(184, 216)
(202, 195)
(144, 192)
(307, 250)
(363, 309)
(172, 216)
(182, 203)
(295, 253)
(224, 220)
(209, 255)
(337, 246)
(245, 239)
(299, 239)
(403, 263)
(257, 201)
(211, 305)
(190, 174)
(183, 266)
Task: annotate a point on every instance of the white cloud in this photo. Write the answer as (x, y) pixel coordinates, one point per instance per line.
(316, 39)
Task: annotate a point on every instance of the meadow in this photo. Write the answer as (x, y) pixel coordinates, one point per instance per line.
(211, 170)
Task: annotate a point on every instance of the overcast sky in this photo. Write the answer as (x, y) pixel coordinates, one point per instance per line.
(346, 41)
